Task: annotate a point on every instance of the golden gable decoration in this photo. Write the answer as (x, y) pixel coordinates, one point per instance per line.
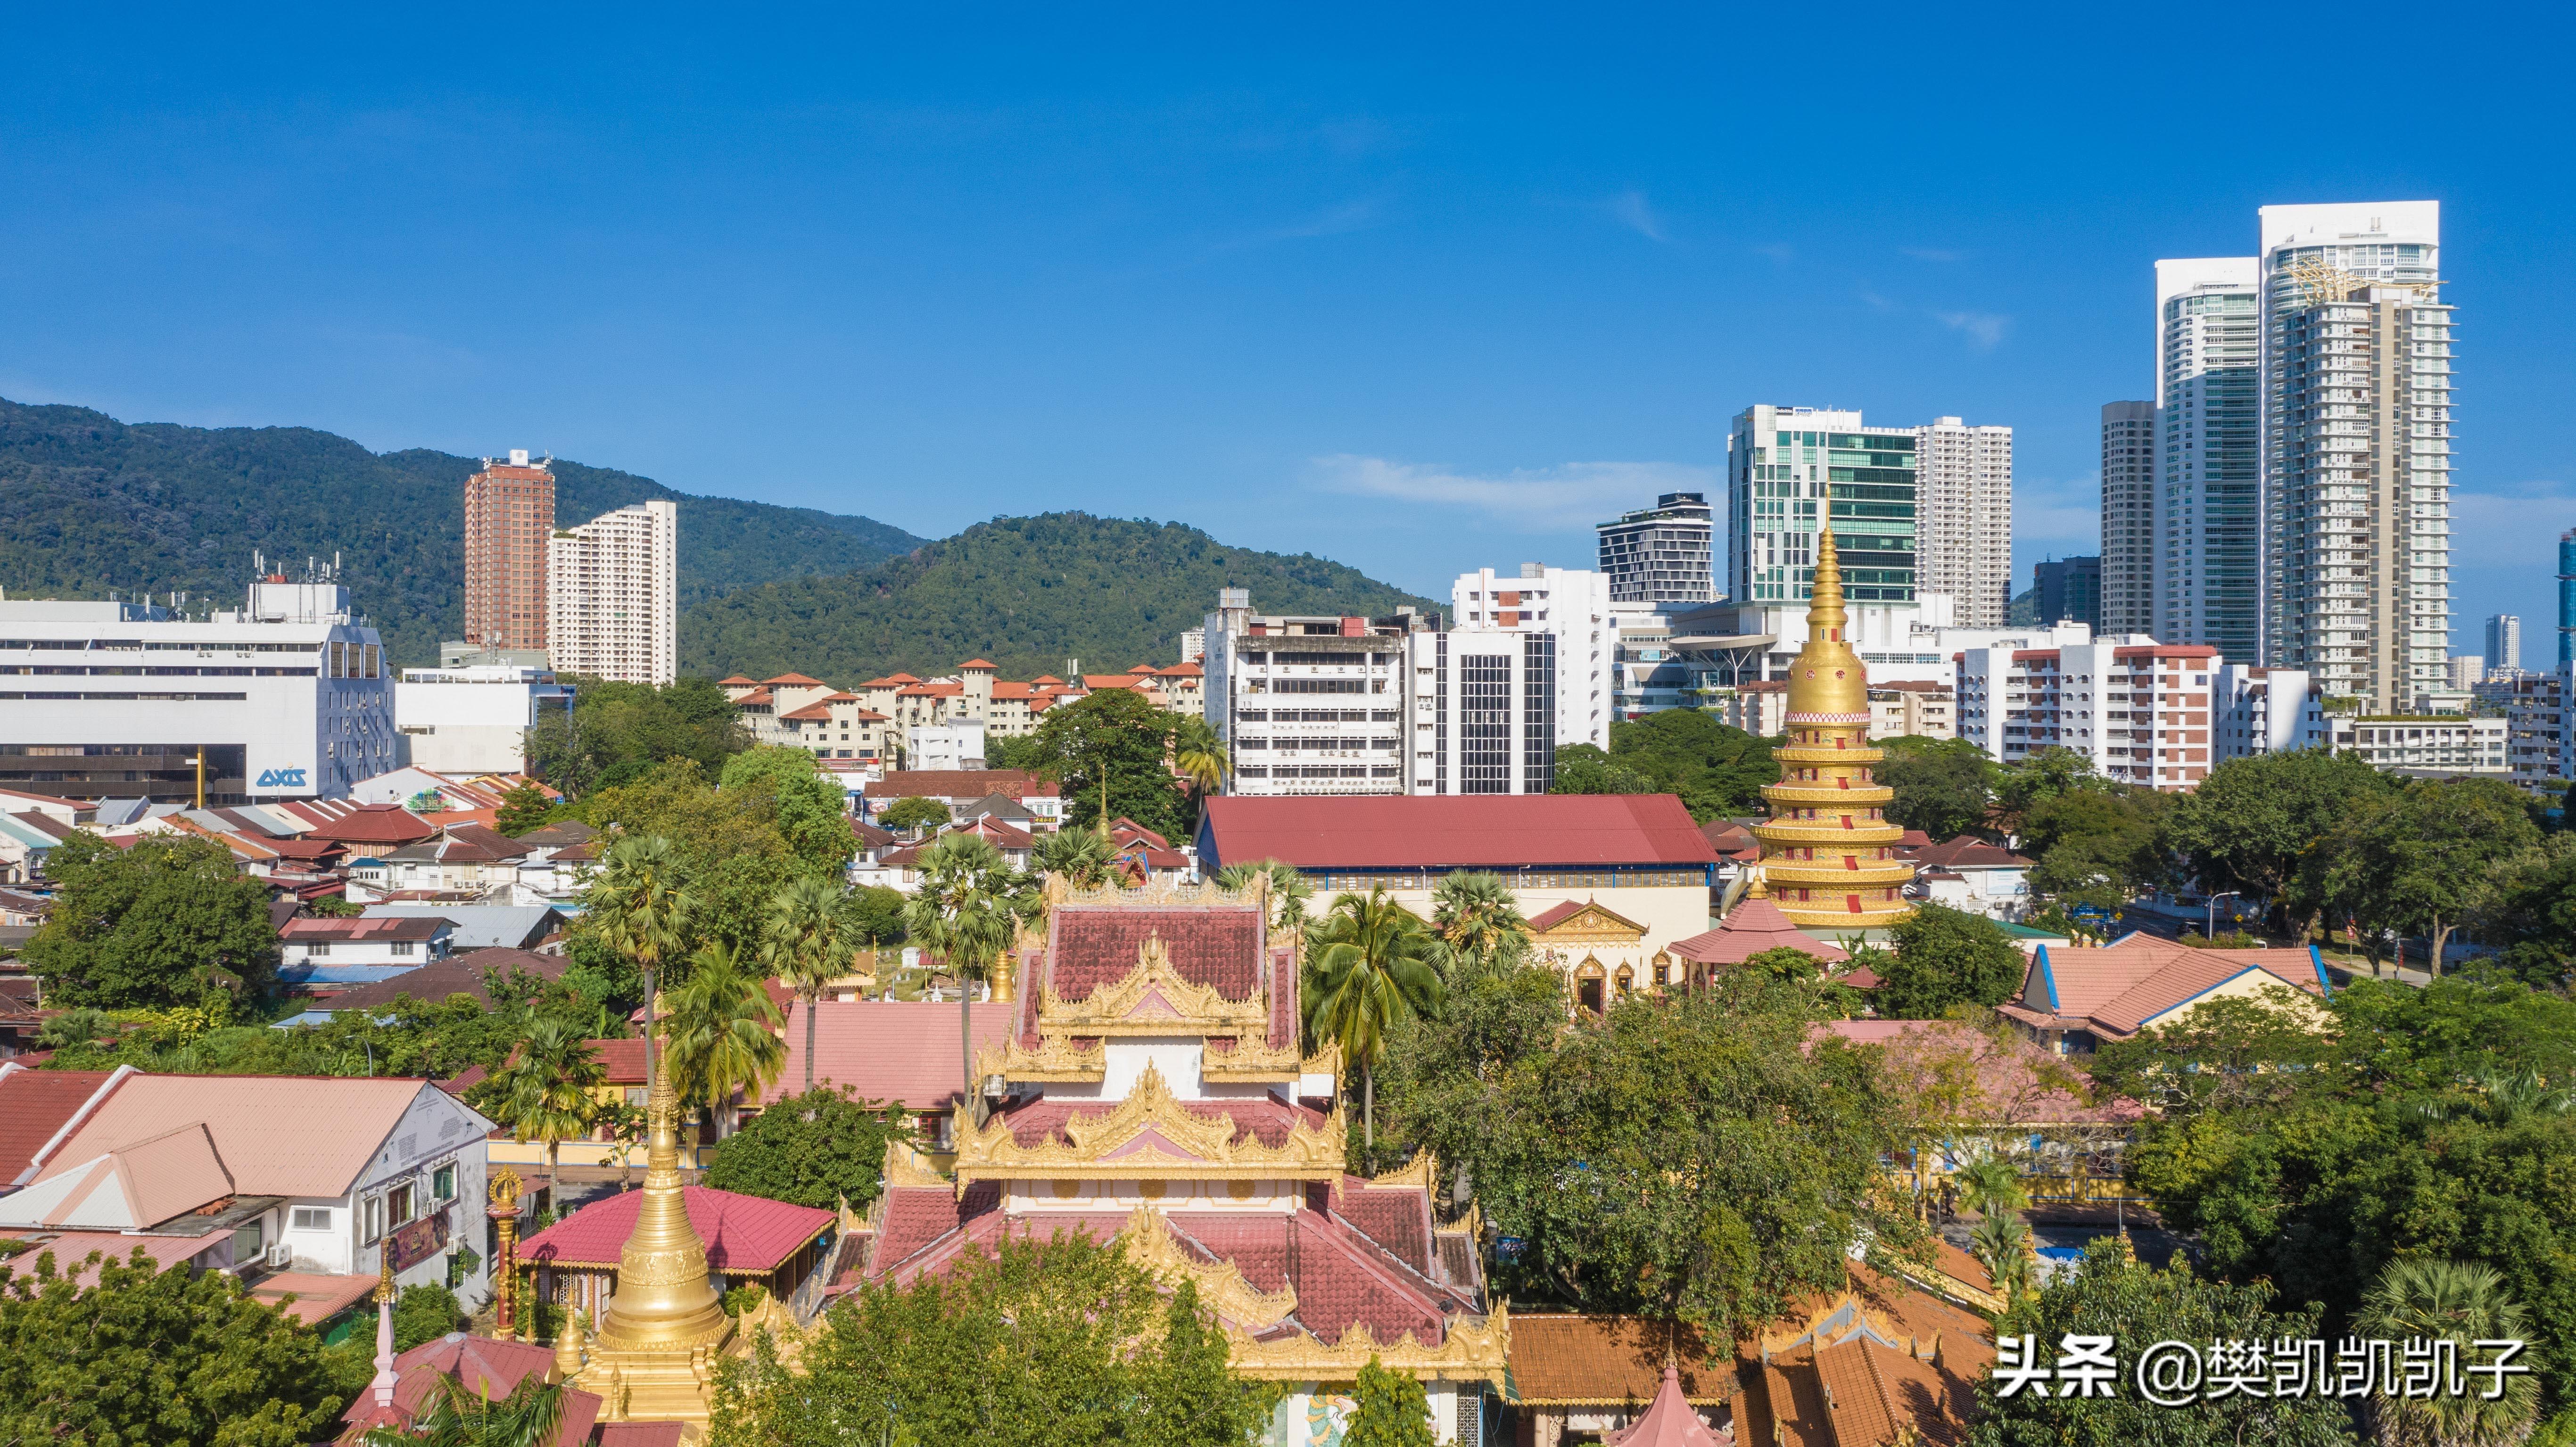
(1222, 1287)
(1189, 1146)
(1469, 1350)
(1592, 924)
(1057, 1057)
(1153, 999)
(1252, 1059)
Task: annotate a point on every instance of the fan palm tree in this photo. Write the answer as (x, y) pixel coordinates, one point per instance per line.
(1080, 855)
(805, 946)
(1289, 890)
(2001, 1243)
(2458, 1301)
(1477, 918)
(1367, 974)
(545, 1089)
(722, 1030)
(458, 1416)
(641, 907)
(966, 911)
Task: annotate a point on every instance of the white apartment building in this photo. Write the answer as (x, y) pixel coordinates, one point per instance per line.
(1571, 605)
(2428, 745)
(2128, 518)
(1483, 712)
(613, 595)
(288, 698)
(2207, 493)
(2356, 385)
(2534, 708)
(2267, 711)
(2140, 711)
(2464, 671)
(1963, 533)
(473, 720)
(1315, 705)
(1660, 554)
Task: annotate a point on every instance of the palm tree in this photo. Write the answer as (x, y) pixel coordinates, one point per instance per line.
(1199, 757)
(641, 906)
(723, 1031)
(458, 1416)
(1477, 918)
(1289, 890)
(966, 910)
(1990, 1185)
(805, 946)
(545, 1089)
(2459, 1301)
(1367, 975)
(2002, 1244)
(1080, 855)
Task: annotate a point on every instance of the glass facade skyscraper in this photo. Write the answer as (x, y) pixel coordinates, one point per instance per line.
(1792, 469)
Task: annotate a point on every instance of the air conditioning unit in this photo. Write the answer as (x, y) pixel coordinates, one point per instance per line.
(278, 1255)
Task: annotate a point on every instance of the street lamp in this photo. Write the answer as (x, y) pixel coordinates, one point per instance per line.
(2210, 931)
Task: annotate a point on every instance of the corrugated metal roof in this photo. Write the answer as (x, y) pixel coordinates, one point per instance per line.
(279, 1135)
(1500, 831)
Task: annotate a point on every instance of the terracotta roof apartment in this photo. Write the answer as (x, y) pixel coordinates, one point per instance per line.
(1433, 832)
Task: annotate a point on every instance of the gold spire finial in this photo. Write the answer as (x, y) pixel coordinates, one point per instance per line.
(385, 1280)
(664, 1297)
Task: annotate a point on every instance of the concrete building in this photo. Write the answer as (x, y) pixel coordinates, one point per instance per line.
(2356, 385)
(1964, 483)
(1660, 554)
(1316, 704)
(2070, 591)
(1913, 710)
(1791, 470)
(2567, 599)
(1572, 606)
(473, 720)
(2206, 537)
(614, 595)
(1483, 709)
(2428, 745)
(2504, 643)
(2466, 671)
(2534, 708)
(2266, 711)
(287, 698)
(2128, 517)
(2139, 711)
(509, 516)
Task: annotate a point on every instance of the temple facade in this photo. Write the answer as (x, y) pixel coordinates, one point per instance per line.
(1829, 855)
(1152, 1090)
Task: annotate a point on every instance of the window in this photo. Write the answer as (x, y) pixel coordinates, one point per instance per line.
(402, 1203)
(374, 1209)
(310, 1218)
(442, 1184)
(402, 947)
(316, 949)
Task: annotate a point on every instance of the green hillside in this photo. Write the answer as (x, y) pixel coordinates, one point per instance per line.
(1023, 592)
(88, 504)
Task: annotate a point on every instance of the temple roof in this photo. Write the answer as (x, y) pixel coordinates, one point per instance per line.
(1753, 926)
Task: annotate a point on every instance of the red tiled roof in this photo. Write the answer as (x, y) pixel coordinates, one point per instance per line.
(1569, 1359)
(1219, 946)
(951, 784)
(1184, 670)
(737, 681)
(1496, 831)
(1969, 852)
(485, 1367)
(1753, 926)
(744, 1235)
(33, 1105)
(376, 824)
(974, 663)
(623, 1060)
(365, 931)
(890, 1050)
(793, 680)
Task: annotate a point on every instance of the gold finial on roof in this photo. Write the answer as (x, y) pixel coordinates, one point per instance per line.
(385, 1282)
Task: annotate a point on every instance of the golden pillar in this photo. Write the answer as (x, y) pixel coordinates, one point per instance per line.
(504, 1211)
(1828, 852)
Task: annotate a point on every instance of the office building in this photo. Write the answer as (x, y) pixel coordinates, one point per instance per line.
(2070, 591)
(1963, 523)
(614, 596)
(2534, 707)
(1321, 704)
(473, 720)
(1489, 698)
(2128, 517)
(1571, 605)
(1791, 470)
(2504, 643)
(1660, 554)
(2207, 492)
(509, 515)
(2140, 712)
(288, 698)
(2566, 599)
(2467, 671)
(2356, 386)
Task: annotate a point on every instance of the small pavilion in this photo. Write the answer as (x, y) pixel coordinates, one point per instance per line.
(1755, 925)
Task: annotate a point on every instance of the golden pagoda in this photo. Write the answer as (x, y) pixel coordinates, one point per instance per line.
(1828, 853)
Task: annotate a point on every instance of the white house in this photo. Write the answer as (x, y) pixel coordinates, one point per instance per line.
(335, 942)
(1970, 874)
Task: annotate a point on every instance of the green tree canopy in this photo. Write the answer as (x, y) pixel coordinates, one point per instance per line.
(1368, 974)
(911, 812)
(2248, 823)
(730, 842)
(1389, 1409)
(816, 1149)
(1717, 770)
(615, 733)
(1944, 787)
(1585, 769)
(1946, 958)
(812, 808)
(168, 921)
(2095, 846)
(1117, 736)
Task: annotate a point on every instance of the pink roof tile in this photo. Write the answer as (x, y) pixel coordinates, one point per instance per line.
(1754, 925)
(33, 1105)
(892, 1050)
(1670, 1420)
(744, 1235)
(1215, 945)
(1500, 831)
(485, 1367)
(317, 1298)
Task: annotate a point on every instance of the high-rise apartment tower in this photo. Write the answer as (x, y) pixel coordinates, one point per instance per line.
(2207, 491)
(614, 586)
(2504, 642)
(1660, 554)
(1963, 526)
(2128, 517)
(509, 514)
(1792, 470)
(2356, 389)
(2567, 598)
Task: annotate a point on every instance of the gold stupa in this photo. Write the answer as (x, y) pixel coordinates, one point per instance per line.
(1828, 852)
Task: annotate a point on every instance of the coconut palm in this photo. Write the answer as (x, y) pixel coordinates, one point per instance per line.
(2463, 1302)
(2001, 1243)
(1289, 890)
(1199, 756)
(1990, 1185)
(545, 1091)
(967, 910)
(459, 1416)
(1080, 855)
(722, 1030)
(641, 906)
(1477, 918)
(1368, 973)
(805, 947)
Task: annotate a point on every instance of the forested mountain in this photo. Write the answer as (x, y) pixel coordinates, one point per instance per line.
(1025, 593)
(88, 503)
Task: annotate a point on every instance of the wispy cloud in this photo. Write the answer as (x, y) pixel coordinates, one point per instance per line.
(1537, 499)
(2065, 515)
(1983, 329)
(1630, 209)
(1777, 251)
(1332, 221)
(1926, 253)
(1871, 298)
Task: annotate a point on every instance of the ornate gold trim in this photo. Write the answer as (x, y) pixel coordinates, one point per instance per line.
(1222, 1287)
(1470, 1349)
(1153, 999)
(1250, 1059)
(1161, 891)
(1422, 1171)
(1191, 1146)
(1057, 1057)
(907, 1166)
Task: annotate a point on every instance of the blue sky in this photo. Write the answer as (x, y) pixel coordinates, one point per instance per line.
(1417, 289)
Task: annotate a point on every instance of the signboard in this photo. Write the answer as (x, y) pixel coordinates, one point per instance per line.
(422, 1239)
(2092, 915)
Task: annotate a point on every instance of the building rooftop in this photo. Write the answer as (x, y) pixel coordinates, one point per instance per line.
(890, 1050)
(744, 1235)
(1492, 831)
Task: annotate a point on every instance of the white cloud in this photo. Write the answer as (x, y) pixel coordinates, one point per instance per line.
(1777, 252)
(1574, 494)
(1629, 209)
(1983, 329)
(2064, 515)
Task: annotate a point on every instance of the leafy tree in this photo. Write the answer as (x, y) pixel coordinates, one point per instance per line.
(1368, 972)
(544, 1092)
(2095, 846)
(457, 1415)
(2220, 1053)
(168, 921)
(1585, 769)
(872, 915)
(911, 812)
(1448, 1085)
(727, 840)
(1080, 855)
(806, 951)
(1717, 770)
(1056, 1341)
(2048, 773)
(1478, 921)
(640, 907)
(1117, 738)
(149, 1356)
(523, 809)
(424, 1312)
(2437, 859)
(812, 809)
(2248, 824)
(964, 911)
(1944, 788)
(2463, 1303)
(721, 1030)
(81, 1025)
(1013, 753)
(2532, 911)
(1390, 1409)
(818, 1149)
(1946, 958)
(1199, 757)
(616, 733)
(2110, 1294)
(1785, 962)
